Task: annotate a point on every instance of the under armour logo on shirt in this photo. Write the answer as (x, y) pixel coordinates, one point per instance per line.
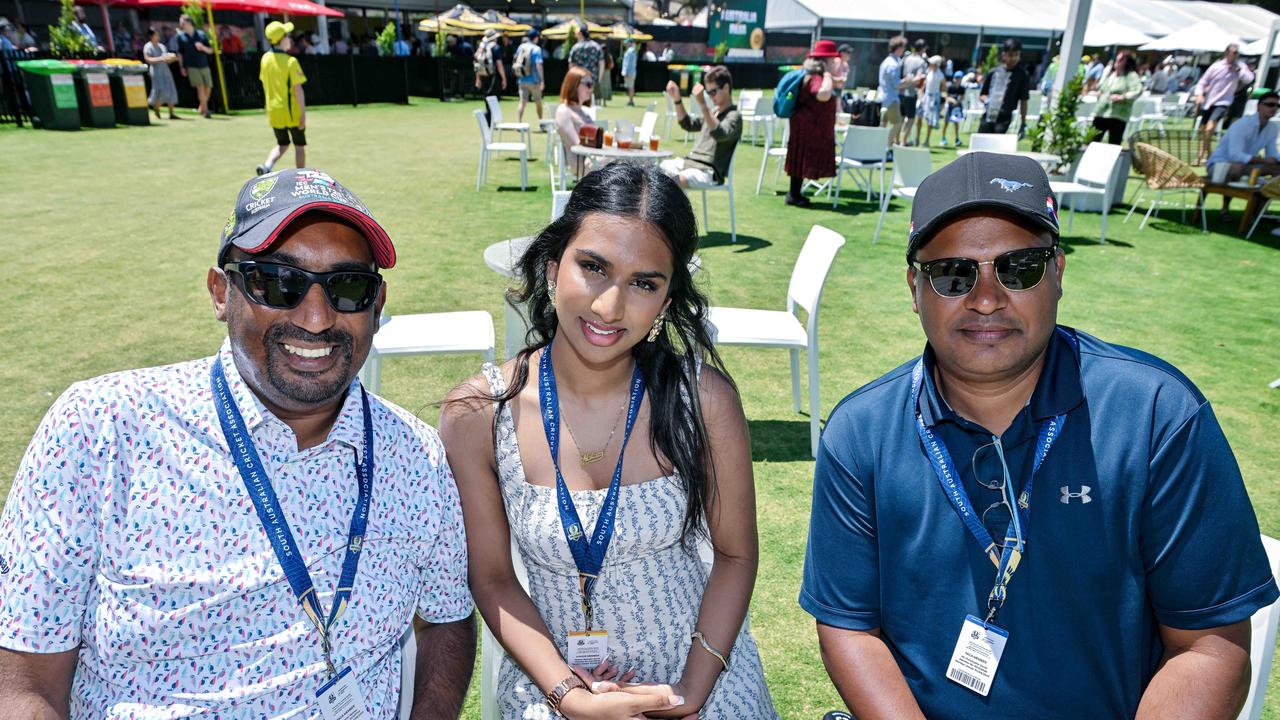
(1083, 495)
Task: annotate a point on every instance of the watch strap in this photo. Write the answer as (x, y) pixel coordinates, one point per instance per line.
(556, 696)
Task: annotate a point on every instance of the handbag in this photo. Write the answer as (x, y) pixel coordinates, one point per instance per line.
(591, 136)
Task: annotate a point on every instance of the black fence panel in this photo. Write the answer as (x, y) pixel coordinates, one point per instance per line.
(13, 91)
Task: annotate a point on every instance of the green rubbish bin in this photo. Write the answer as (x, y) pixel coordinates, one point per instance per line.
(53, 93)
(93, 90)
(129, 91)
(685, 77)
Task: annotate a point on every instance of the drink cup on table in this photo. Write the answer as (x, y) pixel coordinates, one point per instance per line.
(608, 138)
(653, 143)
(1253, 177)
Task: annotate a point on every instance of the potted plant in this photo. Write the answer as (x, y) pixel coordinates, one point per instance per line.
(1057, 131)
(64, 39)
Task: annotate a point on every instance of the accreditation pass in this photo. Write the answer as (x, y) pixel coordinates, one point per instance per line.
(340, 698)
(977, 655)
(588, 648)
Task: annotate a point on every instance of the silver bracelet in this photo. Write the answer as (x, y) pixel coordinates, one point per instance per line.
(722, 657)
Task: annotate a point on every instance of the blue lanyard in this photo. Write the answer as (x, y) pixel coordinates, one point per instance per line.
(1006, 561)
(272, 515)
(588, 554)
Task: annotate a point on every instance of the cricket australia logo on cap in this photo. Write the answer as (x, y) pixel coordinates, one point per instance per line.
(230, 227)
(261, 194)
(1009, 185)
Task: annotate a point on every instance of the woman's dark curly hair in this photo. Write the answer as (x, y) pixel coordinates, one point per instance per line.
(676, 428)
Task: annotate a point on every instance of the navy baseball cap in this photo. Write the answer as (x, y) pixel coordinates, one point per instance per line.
(267, 204)
(1011, 183)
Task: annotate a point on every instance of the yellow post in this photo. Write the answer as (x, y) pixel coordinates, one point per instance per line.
(217, 55)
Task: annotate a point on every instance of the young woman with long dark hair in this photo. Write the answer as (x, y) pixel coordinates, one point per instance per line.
(609, 448)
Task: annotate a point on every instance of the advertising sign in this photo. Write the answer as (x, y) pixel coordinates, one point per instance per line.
(739, 25)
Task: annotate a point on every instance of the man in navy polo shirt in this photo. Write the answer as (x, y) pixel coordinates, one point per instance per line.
(1031, 523)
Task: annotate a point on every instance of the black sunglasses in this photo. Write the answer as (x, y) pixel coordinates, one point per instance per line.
(1269, 104)
(1016, 270)
(284, 286)
(712, 91)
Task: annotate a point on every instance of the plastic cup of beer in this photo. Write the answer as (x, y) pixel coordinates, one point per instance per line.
(1253, 177)
(608, 138)
(624, 143)
(653, 143)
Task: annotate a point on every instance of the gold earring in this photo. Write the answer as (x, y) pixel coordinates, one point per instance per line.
(657, 327)
(551, 291)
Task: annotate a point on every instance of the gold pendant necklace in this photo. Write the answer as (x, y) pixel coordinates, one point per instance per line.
(586, 457)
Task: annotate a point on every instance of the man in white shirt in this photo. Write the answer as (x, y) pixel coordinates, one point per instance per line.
(1247, 137)
(149, 570)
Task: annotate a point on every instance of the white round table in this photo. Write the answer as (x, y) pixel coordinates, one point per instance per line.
(614, 154)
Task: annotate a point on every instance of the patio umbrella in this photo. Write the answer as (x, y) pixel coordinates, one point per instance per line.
(459, 20)
(566, 30)
(504, 24)
(622, 31)
(1204, 36)
(1108, 33)
(1257, 47)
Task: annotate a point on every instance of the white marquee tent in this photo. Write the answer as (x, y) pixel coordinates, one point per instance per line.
(1154, 18)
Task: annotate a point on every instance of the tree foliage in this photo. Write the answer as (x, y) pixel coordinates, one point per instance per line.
(1057, 131)
(65, 39)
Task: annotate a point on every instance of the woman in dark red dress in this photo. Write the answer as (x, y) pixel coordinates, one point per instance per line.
(811, 151)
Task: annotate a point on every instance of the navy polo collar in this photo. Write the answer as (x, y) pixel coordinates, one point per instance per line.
(1057, 392)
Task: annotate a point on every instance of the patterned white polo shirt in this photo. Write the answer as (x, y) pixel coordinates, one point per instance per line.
(129, 533)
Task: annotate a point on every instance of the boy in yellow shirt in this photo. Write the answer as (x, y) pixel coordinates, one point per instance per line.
(282, 81)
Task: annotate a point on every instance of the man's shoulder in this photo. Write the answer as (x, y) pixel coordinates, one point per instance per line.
(876, 398)
(1137, 374)
(401, 426)
(139, 390)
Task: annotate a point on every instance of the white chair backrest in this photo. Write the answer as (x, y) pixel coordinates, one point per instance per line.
(559, 200)
(590, 110)
(647, 125)
(911, 165)
(811, 269)
(495, 110)
(872, 95)
(972, 99)
(1097, 163)
(1144, 106)
(748, 101)
(485, 134)
(865, 143)
(1264, 623)
(770, 123)
(1035, 102)
(671, 106)
(993, 142)
(695, 108)
(1250, 107)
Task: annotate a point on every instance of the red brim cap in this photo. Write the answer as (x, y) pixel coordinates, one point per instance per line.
(384, 253)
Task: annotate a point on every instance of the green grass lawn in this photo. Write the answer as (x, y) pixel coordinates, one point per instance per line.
(109, 234)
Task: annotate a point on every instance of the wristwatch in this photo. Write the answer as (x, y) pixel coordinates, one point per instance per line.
(556, 696)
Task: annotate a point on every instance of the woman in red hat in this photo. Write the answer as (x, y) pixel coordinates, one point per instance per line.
(811, 149)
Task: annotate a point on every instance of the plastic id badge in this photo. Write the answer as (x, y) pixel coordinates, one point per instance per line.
(977, 655)
(340, 698)
(588, 648)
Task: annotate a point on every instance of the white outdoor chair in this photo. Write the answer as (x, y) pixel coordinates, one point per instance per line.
(489, 147)
(548, 127)
(864, 150)
(647, 126)
(1092, 177)
(782, 329)
(911, 165)
(748, 101)
(993, 142)
(467, 331)
(695, 111)
(408, 663)
(778, 154)
(1270, 192)
(1264, 623)
(1035, 105)
(559, 201)
(669, 117)
(726, 186)
(1146, 113)
(497, 124)
(973, 110)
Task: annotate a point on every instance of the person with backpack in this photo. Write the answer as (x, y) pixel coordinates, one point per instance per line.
(530, 77)
(491, 74)
(810, 149)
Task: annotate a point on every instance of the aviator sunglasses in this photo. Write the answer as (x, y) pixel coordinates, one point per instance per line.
(1016, 270)
(284, 286)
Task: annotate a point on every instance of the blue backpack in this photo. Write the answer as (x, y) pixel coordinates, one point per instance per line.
(787, 92)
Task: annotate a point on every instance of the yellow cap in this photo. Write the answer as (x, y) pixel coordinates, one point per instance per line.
(276, 31)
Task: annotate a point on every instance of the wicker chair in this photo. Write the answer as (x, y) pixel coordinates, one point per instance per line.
(1164, 173)
(1270, 191)
(1182, 144)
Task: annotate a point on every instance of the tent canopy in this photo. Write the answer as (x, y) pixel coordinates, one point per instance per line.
(1155, 18)
(1108, 33)
(1204, 36)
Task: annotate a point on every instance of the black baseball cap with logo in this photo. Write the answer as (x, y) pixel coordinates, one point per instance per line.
(1011, 183)
(267, 204)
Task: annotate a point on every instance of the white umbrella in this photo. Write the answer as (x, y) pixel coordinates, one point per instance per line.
(1109, 32)
(1204, 36)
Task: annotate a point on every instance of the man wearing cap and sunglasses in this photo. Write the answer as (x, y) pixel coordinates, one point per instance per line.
(249, 534)
(1030, 522)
